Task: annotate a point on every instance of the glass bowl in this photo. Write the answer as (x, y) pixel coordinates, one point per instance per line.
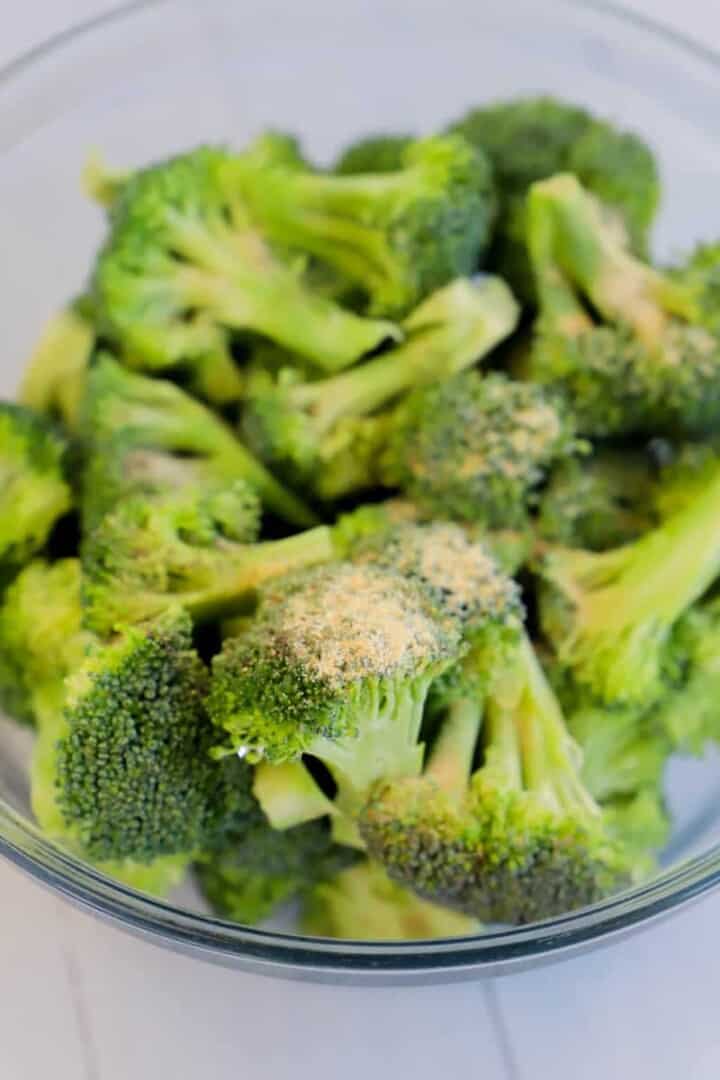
(155, 77)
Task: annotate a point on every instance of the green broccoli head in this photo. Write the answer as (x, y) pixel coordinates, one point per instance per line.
(53, 382)
(262, 868)
(148, 435)
(298, 426)
(337, 664)
(688, 714)
(461, 579)
(519, 840)
(646, 364)
(373, 154)
(601, 501)
(531, 139)
(398, 235)
(183, 265)
(477, 449)
(33, 489)
(364, 904)
(612, 616)
(127, 773)
(193, 547)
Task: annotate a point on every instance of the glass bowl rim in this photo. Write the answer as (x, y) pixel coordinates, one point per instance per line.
(22, 843)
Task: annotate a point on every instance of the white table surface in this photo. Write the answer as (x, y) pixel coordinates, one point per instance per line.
(80, 1001)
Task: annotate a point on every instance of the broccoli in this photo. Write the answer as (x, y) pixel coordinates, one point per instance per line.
(518, 840)
(364, 904)
(457, 573)
(612, 616)
(100, 183)
(298, 427)
(398, 235)
(601, 501)
(476, 448)
(373, 154)
(183, 265)
(33, 491)
(263, 868)
(689, 714)
(54, 380)
(41, 640)
(641, 824)
(128, 774)
(194, 547)
(41, 644)
(166, 432)
(648, 367)
(532, 139)
(337, 664)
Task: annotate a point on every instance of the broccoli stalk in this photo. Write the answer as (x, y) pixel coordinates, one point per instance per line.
(398, 235)
(153, 414)
(183, 265)
(610, 615)
(520, 839)
(297, 426)
(648, 366)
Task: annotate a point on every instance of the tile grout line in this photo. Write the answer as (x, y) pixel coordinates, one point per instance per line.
(77, 995)
(502, 1034)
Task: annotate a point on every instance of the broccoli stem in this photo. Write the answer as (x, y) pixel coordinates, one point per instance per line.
(450, 331)
(326, 216)
(386, 745)
(451, 759)
(241, 572)
(236, 277)
(288, 794)
(551, 760)
(655, 579)
(596, 258)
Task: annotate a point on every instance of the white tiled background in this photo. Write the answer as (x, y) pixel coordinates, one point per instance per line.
(79, 1001)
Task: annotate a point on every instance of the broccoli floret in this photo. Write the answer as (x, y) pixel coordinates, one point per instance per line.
(183, 265)
(338, 664)
(519, 840)
(129, 773)
(193, 547)
(42, 644)
(601, 501)
(611, 615)
(299, 426)
(532, 139)
(33, 489)
(364, 904)
(54, 381)
(373, 154)
(647, 366)
(476, 448)
(165, 431)
(459, 576)
(398, 235)
(263, 868)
